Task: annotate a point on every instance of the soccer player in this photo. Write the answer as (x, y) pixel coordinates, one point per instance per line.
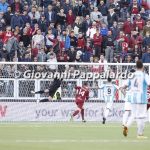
(82, 95)
(109, 90)
(127, 105)
(138, 85)
(52, 90)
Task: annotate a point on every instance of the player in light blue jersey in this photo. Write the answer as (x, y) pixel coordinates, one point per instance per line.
(109, 90)
(138, 85)
(127, 105)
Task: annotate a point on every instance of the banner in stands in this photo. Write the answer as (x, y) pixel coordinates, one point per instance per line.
(55, 111)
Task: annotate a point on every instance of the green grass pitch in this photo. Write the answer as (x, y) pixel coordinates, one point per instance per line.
(70, 136)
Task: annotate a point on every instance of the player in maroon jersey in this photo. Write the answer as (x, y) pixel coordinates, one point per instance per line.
(82, 94)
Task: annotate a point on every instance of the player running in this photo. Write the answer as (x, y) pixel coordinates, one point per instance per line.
(82, 95)
(138, 85)
(52, 90)
(127, 105)
(109, 91)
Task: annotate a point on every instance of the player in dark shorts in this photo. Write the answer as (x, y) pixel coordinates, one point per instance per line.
(82, 94)
(52, 90)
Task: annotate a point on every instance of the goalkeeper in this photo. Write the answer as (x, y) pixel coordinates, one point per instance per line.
(52, 90)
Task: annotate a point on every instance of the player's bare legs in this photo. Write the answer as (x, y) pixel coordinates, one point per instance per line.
(107, 111)
(125, 116)
(75, 113)
(79, 110)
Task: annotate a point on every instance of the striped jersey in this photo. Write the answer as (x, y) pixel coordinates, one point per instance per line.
(138, 86)
(109, 91)
(128, 94)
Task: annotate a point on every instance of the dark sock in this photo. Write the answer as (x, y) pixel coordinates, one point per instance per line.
(44, 100)
(82, 114)
(75, 113)
(39, 92)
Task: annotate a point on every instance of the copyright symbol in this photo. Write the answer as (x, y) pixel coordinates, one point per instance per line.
(17, 74)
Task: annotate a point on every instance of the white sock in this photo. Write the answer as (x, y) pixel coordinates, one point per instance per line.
(140, 126)
(130, 119)
(106, 113)
(125, 117)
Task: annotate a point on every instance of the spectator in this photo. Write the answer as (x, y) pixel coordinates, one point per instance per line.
(115, 30)
(86, 24)
(146, 28)
(43, 24)
(146, 40)
(128, 26)
(109, 51)
(3, 6)
(97, 41)
(73, 39)
(80, 42)
(34, 15)
(50, 14)
(25, 17)
(61, 17)
(41, 56)
(71, 54)
(79, 8)
(70, 18)
(17, 20)
(111, 17)
(38, 39)
(7, 16)
(139, 23)
(146, 56)
(91, 30)
(16, 6)
(104, 10)
(96, 15)
(77, 26)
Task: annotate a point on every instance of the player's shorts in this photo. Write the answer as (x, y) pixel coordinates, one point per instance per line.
(79, 103)
(109, 105)
(127, 106)
(139, 110)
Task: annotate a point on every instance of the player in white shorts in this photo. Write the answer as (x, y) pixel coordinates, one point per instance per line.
(127, 105)
(138, 85)
(109, 90)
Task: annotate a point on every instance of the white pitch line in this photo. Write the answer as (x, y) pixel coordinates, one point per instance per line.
(75, 141)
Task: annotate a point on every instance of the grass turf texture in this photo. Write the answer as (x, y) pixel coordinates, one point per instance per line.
(70, 136)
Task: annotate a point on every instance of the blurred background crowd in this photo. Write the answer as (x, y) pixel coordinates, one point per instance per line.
(75, 31)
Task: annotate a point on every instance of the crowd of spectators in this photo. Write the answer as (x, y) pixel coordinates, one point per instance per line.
(75, 31)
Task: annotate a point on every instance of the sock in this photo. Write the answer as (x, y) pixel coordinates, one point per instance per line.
(125, 117)
(39, 92)
(44, 100)
(140, 126)
(82, 114)
(106, 113)
(75, 113)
